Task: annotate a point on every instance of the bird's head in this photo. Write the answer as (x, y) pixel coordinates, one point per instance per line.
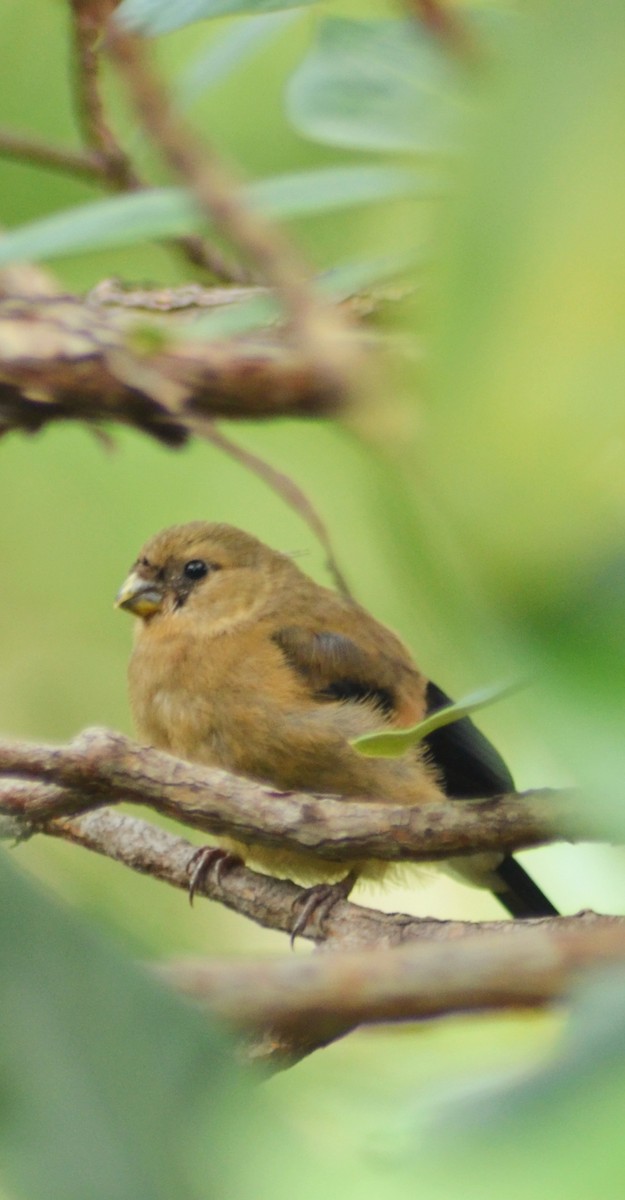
(214, 569)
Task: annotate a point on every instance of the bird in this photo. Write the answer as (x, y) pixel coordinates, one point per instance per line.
(242, 661)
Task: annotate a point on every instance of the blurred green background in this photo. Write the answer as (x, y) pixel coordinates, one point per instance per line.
(485, 525)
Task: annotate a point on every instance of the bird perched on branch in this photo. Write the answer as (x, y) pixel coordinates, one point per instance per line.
(243, 662)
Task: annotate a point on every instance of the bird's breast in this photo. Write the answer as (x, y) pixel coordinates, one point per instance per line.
(175, 684)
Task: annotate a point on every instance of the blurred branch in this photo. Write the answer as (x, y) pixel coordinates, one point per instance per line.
(315, 999)
(89, 20)
(101, 767)
(24, 148)
(105, 161)
(64, 359)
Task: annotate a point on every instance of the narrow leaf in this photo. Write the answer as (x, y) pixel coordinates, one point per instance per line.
(169, 212)
(393, 743)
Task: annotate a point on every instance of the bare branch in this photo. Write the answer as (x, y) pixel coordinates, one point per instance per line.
(117, 169)
(301, 1008)
(102, 767)
(88, 22)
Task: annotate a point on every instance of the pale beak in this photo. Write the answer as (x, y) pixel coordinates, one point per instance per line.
(140, 596)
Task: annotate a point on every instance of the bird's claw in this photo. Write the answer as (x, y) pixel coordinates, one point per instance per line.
(204, 859)
(323, 896)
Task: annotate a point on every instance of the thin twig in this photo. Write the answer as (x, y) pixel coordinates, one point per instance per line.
(286, 488)
(319, 333)
(117, 168)
(88, 24)
(84, 163)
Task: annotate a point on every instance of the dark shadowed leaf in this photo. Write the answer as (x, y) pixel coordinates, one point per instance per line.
(100, 1067)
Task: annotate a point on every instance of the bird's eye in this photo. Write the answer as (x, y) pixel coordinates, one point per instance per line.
(196, 569)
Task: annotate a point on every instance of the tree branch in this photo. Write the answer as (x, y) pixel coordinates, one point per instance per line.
(300, 1009)
(118, 170)
(63, 359)
(101, 767)
(271, 903)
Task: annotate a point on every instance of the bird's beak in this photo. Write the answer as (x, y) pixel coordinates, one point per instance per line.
(140, 596)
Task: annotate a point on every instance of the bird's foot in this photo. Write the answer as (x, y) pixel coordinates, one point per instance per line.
(205, 859)
(323, 896)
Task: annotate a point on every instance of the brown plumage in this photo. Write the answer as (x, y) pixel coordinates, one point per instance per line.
(242, 661)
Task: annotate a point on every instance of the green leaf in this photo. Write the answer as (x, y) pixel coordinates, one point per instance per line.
(393, 743)
(102, 1069)
(154, 17)
(169, 212)
(329, 189)
(120, 221)
(375, 85)
(224, 54)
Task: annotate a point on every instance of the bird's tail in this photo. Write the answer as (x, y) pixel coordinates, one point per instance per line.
(519, 894)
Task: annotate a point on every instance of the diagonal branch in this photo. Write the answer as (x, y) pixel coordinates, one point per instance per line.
(116, 167)
(24, 147)
(285, 487)
(154, 851)
(320, 334)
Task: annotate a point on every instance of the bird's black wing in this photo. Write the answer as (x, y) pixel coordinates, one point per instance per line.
(471, 768)
(336, 668)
